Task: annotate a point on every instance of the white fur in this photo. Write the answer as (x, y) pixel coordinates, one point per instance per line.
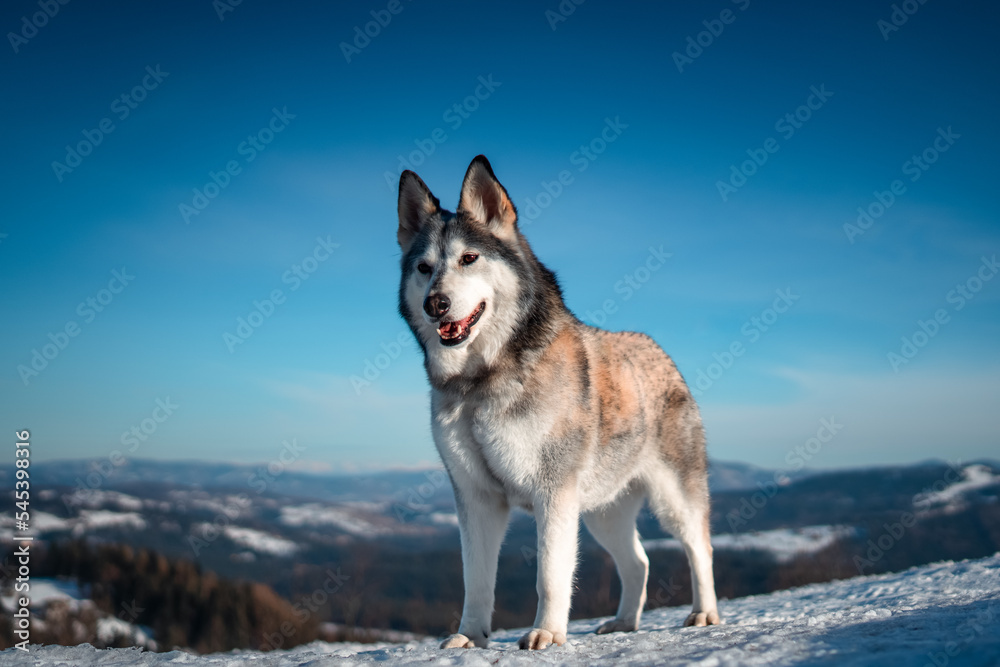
(466, 288)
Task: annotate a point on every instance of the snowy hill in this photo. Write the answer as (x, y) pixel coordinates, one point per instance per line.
(399, 549)
(328, 486)
(942, 614)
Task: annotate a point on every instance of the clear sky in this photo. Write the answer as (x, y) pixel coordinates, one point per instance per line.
(168, 164)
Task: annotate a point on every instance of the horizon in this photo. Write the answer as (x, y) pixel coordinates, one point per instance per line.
(320, 469)
(796, 202)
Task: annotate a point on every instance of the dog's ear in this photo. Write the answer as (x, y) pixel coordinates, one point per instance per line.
(485, 200)
(416, 204)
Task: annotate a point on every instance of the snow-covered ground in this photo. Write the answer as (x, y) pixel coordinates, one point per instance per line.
(943, 614)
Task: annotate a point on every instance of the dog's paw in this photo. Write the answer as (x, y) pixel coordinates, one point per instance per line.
(538, 639)
(458, 641)
(700, 619)
(617, 625)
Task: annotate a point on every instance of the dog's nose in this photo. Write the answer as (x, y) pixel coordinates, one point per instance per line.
(436, 305)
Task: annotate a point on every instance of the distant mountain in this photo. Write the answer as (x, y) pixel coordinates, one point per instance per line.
(272, 477)
(261, 514)
(732, 476)
(370, 486)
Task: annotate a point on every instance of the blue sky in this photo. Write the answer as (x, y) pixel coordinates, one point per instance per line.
(642, 138)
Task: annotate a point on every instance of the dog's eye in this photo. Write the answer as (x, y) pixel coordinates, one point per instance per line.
(423, 268)
(469, 258)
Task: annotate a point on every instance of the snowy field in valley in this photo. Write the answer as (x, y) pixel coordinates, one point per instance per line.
(943, 614)
(782, 543)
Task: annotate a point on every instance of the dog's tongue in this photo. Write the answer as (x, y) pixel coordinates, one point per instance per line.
(450, 329)
(455, 329)
(460, 328)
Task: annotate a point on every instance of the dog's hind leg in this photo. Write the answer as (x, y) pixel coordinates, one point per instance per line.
(683, 510)
(613, 526)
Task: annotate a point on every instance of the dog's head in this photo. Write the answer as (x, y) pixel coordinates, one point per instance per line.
(460, 272)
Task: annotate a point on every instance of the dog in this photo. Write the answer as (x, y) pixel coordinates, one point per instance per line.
(532, 408)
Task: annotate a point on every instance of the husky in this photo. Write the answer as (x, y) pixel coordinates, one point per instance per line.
(532, 408)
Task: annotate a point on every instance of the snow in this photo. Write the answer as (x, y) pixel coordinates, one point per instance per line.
(231, 506)
(95, 498)
(110, 628)
(785, 543)
(97, 519)
(315, 514)
(43, 522)
(444, 518)
(260, 541)
(974, 477)
(87, 521)
(942, 614)
(43, 591)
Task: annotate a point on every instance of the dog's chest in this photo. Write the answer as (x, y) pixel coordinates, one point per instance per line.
(493, 445)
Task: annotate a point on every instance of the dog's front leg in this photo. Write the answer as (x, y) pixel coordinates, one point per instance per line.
(482, 522)
(558, 518)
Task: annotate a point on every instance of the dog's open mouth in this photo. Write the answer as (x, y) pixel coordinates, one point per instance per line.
(453, 333)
